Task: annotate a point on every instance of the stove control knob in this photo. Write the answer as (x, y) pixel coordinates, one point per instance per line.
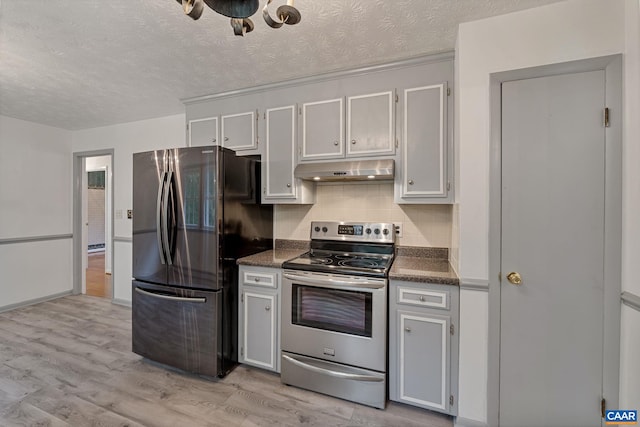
(377, 231)
(385, 231)
(325, 229)
(368, 231)
(317, 229)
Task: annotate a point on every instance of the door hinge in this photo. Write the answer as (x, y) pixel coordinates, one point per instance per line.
(265, 115)
(241, 297)
(499, 277)
(448, 91)
(452, 329)
(397, 98)
(187, 126)
(606, 117)
(396, 142)
(451, 399)
(300, 111)
(241, 351)
(448, 185)
(603, 406)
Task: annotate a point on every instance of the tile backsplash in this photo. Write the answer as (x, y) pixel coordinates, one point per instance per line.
(422, 225)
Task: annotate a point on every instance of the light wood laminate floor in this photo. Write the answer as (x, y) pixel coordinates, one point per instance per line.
(68, 362)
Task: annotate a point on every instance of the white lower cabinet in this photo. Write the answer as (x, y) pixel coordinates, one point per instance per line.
(423, 349)
(258, 317)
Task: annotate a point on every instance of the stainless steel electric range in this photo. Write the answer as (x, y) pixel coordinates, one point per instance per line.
(334, 315)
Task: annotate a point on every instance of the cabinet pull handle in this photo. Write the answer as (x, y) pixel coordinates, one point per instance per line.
(421, 298)
(267, 308)
(226, 138)
(408, 329)
(213, 140)
(256, 279)
(335, 143)
(410, 182)
(353, 141)
(288, 185)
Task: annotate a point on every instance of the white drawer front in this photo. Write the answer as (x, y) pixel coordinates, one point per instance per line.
(423, 298)
(265, 280)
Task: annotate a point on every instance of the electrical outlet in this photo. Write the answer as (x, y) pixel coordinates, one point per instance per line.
(398, 226)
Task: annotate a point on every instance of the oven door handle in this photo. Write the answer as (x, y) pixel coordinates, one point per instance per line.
(328, 282)
(336, 374)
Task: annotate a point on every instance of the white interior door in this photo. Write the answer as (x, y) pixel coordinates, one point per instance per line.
(553, 206)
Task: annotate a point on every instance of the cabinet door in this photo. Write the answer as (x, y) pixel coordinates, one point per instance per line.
(203, 132)
(425, 163)
(370, 125)
(279, 153)
(259, 323)
(322, 130)
(423, 369)
(239, 131)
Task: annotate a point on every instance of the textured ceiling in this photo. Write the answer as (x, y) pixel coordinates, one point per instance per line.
(78, 64)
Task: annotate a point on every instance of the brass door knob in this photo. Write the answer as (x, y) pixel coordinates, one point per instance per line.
(514, 278)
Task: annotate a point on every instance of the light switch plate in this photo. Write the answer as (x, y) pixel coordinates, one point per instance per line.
(129, 213)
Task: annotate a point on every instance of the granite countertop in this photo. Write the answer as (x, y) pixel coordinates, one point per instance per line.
(426, 265)
(284, 251)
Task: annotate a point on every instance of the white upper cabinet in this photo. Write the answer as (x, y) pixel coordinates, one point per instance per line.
(279, 161)
(370, 125)
(322, 130)
(203, 132)
(239, 131)
(369, 130)
(425, 151)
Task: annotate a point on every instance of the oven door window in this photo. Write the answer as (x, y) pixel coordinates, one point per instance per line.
(336, 310)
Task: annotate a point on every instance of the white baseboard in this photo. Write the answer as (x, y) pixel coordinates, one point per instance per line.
(122, 302)
(35, 301)
(466, 422)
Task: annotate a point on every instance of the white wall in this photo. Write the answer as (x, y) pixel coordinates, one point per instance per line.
(126, 139)
(35, 200)
(571, 30)
(630, 339)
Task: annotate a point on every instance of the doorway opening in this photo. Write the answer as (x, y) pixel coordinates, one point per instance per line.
(93, 223)
(96, 204)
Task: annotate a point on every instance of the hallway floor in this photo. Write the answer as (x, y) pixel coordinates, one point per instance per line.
(98, 282)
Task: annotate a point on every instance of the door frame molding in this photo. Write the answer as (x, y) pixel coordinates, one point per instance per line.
(612, 65)
(78, 158)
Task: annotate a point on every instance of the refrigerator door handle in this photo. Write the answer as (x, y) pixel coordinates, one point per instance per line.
(165, 222)
(199, 300)
(172, 219)
(159, 218)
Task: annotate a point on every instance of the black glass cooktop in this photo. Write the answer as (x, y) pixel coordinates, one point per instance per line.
(342, 263)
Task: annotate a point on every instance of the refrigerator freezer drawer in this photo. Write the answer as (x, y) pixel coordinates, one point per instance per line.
(178, 327)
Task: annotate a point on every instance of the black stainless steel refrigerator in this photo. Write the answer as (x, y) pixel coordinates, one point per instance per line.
(195, 212)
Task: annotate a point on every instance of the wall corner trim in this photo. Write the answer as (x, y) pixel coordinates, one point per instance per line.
(631, 300)
(474, 284)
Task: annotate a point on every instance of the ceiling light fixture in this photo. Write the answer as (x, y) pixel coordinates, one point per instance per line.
(240, 10)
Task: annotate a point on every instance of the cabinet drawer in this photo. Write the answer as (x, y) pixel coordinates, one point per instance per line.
(265, 280)
(423, 298)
